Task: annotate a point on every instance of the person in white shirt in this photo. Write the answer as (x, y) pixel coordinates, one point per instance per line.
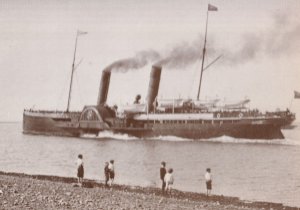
(80, 169)
(111, 169)
(208, 179)
(169, 180)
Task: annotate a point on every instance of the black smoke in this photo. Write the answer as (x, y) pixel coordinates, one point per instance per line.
(185, 54)
(140, 60)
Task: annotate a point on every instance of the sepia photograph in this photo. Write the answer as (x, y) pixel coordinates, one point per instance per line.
(150, 104)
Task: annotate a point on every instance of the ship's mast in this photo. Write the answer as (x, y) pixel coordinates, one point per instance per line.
(73, 67)
(210, 8)
(203, 57)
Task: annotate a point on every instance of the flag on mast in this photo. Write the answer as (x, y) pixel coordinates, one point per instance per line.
(81, 33)
(297, 94)
(212, 8)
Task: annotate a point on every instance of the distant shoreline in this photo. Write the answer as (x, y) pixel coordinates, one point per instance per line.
(135, 191)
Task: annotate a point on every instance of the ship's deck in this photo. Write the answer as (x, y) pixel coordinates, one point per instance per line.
(51, 114)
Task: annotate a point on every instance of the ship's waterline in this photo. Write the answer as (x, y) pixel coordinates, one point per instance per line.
(246, 168)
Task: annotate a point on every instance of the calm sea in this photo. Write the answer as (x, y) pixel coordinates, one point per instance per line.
(252, 170)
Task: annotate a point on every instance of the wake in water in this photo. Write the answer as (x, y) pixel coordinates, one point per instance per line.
(119, 136)
(228, 139)
(170, 138)
(111, 135)
(222, 139)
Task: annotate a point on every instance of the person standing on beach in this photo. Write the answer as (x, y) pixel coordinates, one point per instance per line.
(162, 175)
(111, 169)
(106, 174)
(208, 179)
(80, 169)
(169, 180)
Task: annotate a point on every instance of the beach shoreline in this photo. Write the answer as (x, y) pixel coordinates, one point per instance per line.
(20, 190)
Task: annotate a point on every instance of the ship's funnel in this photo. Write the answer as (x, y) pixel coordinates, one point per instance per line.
(153, 87)
(104, 85)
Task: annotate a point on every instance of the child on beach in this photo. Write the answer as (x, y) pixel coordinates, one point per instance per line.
(106, 173)
(111, 168)
(162, 175)
(80, 169)
(169, 180)
(208, 179)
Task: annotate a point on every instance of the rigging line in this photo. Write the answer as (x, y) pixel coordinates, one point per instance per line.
(194, 84)
(63, 90)
(78, 64)
(79, 89)
(291, 103)
(211, 63)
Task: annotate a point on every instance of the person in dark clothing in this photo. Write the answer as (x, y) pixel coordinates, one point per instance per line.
(80, 169)
(106, 174)
(163, 172)
(111, 169)
(137, 99)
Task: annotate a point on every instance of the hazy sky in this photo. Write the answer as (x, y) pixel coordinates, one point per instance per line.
(259, 41)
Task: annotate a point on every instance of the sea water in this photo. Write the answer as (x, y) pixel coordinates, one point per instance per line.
(261, 170)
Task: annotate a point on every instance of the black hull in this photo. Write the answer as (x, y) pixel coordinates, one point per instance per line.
(245, 131)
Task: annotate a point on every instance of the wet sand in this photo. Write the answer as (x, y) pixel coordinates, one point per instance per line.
(22, 191)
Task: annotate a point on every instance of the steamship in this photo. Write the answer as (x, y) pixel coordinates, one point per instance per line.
(186, 118)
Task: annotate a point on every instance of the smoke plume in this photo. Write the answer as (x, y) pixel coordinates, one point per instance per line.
(140, 60)
(179, 56)
(279, 39)
(184, 54)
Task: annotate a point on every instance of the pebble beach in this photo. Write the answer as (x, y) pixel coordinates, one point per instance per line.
(22, 191)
